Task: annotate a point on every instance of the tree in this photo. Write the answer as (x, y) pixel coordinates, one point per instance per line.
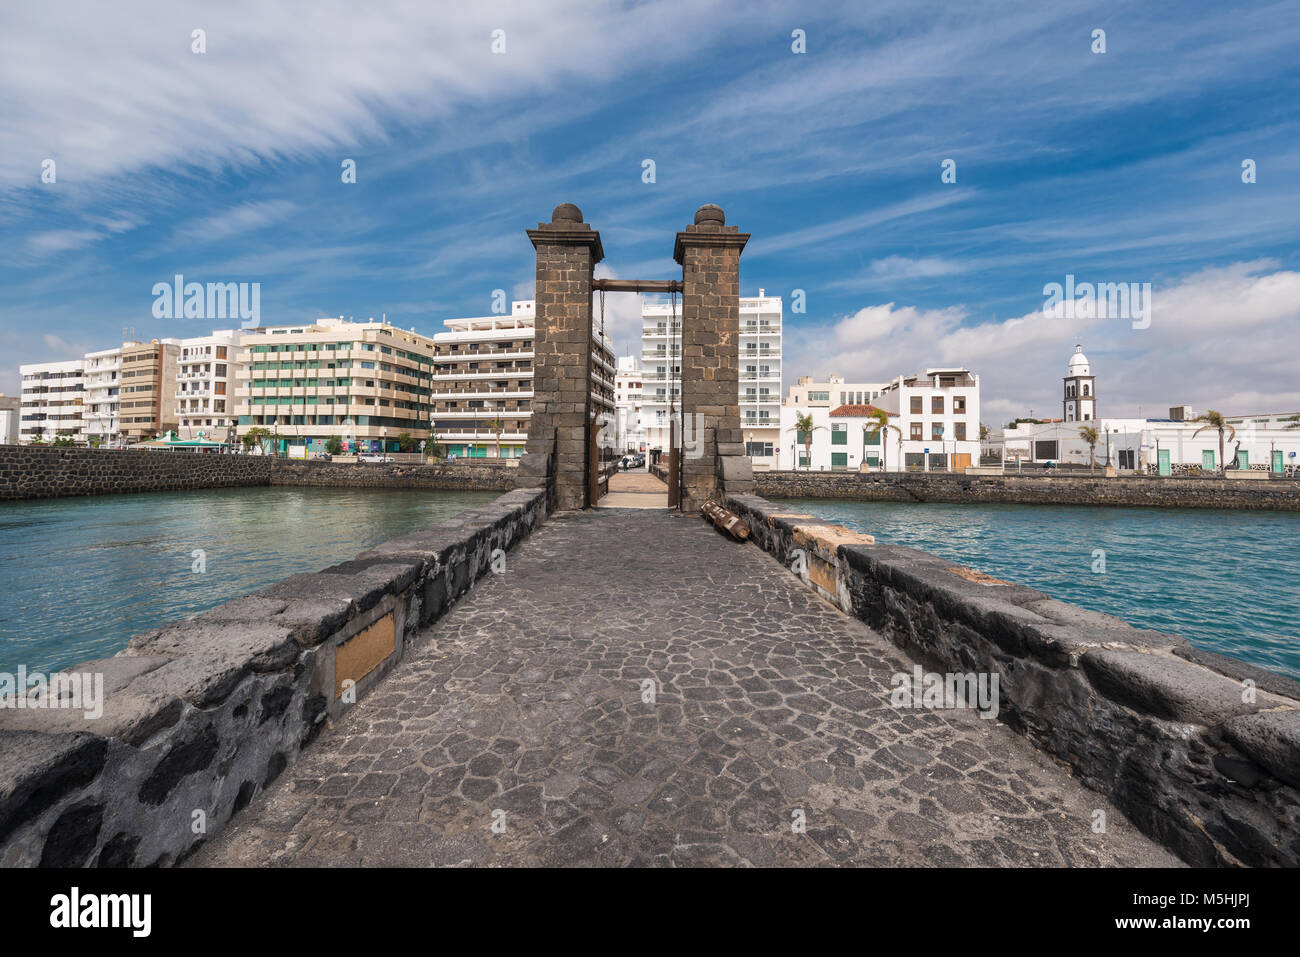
(405, 442)
(803, 424)
(257, 436)
(334, 445)
(1090, 435)
(63, 437)
(497, 428)
(984, 431)
(1215, 420)
(878, 424)
(1014, 422)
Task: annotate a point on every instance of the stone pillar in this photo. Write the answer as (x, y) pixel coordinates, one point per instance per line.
(713, 451)
(567, 251)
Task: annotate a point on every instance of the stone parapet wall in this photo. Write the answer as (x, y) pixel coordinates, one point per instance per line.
(33, 471)
(1201, 752)
(200, 715)
(465, 475)
(1277, 494)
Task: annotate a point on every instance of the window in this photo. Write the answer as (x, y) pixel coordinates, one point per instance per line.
(916, 432)
(958, 404)
(839, 433)
(801, 438)
(872, 438)
(959, 431)
(936, 430)
(916, 405)
(1085, 388)
(936, 404)
(753, 449)
(1045, 450)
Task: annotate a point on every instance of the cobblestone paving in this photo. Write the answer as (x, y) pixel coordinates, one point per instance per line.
(524, 706)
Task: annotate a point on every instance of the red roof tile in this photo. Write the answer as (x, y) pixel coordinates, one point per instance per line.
(856, 412)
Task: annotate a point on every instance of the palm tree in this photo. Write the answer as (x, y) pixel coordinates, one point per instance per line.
(1215, 420)
(803, 422)
(1090, 435)
(878, 424)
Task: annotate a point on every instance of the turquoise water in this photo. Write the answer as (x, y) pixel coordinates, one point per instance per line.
(80, 576)
(1227, 581)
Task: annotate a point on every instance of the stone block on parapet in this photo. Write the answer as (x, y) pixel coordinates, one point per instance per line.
(737, 474)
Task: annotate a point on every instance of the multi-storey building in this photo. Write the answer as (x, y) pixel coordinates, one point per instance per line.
(205, 380)
(807, 393)
(52, 400)
(630, 435)
(101, 409)
(759, 350)
(483, 383)
(365, 383)
(939, 414)
(146, 408)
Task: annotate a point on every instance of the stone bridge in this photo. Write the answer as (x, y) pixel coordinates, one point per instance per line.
(560, 678)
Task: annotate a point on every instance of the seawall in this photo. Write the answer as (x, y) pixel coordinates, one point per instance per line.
(28, 471)
(1201, 752)
(1269, 494)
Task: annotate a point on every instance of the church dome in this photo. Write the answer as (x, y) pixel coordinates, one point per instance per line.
(1079, 363)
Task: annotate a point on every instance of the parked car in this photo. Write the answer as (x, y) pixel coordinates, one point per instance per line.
(375, 457)
(323, 457)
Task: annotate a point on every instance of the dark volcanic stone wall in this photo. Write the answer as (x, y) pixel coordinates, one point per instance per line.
(28, 471)
(460, 475)
(1036, 489)
(1201, 752)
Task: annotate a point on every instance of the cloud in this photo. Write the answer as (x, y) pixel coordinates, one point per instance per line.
(244, 218)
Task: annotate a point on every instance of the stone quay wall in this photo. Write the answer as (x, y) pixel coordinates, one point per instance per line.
(33, 471)
(1273, 494)
(1201, 752)
(466, 475)
(201, 715)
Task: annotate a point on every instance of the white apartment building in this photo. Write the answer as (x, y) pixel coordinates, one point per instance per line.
(939, 414)
(807, 393)
(483, 382)
(52, 400)
(629, 434)
(205, 386)
(759, 347)
(102, 407)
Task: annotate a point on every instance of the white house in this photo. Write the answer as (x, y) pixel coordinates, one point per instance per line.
(842, 440)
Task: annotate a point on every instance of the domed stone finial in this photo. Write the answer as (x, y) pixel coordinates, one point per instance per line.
(566, 213)
(709, 213)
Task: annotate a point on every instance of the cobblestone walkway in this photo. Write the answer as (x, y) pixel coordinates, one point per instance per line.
(524, 707)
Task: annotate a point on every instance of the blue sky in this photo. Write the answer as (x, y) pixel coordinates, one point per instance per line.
(1123, 166)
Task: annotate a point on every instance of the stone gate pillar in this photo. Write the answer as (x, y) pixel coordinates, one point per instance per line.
(713, 451)
(567, 251)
